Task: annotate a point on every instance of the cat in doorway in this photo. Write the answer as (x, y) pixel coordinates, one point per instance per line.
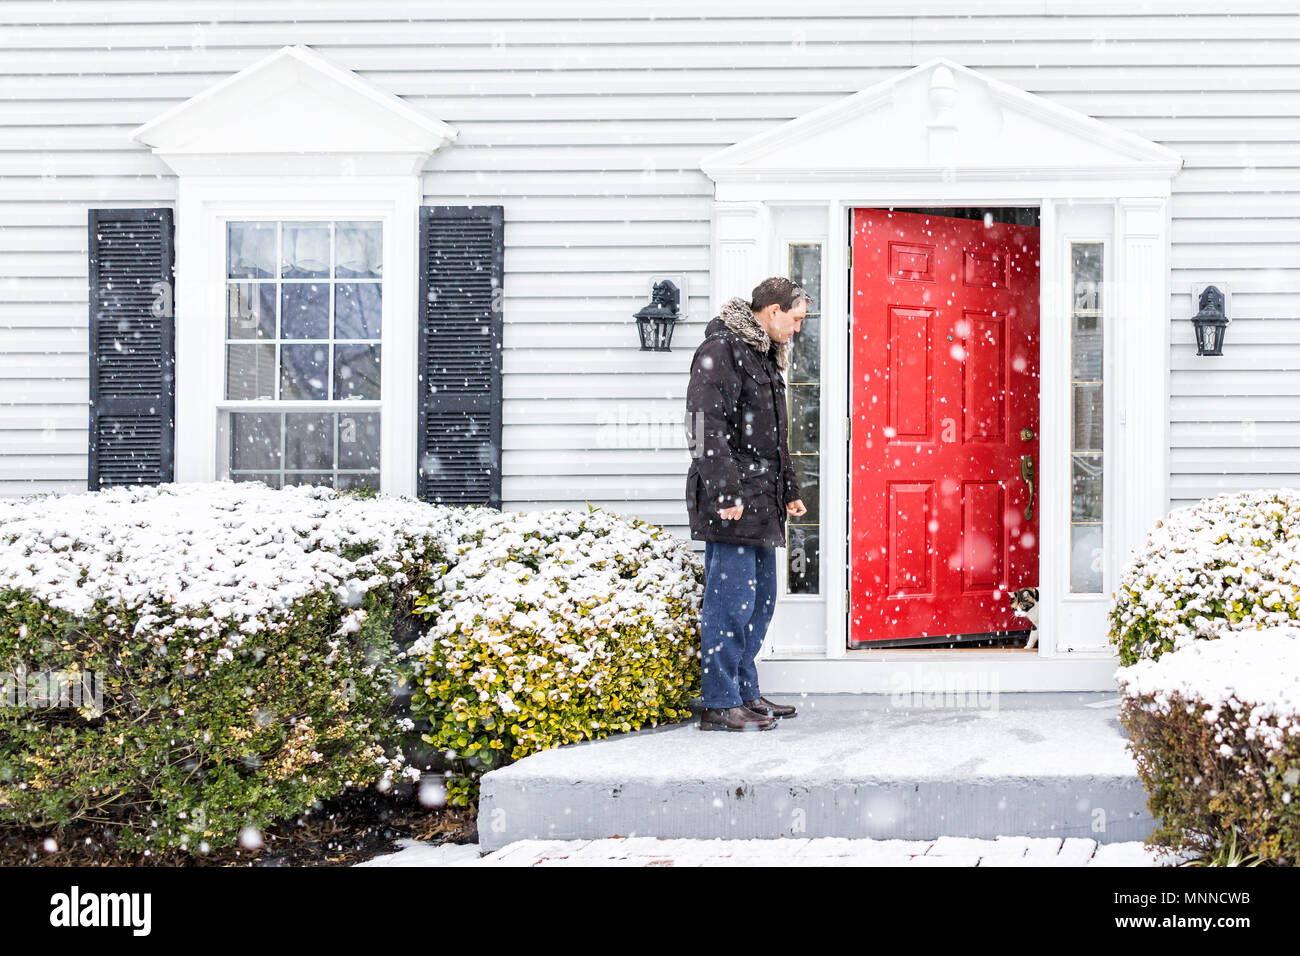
(1024, 602)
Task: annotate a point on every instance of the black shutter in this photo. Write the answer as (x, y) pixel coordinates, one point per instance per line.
(462, 252)
(132, 347)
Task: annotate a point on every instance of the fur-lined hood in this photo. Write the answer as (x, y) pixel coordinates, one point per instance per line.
(738, 317)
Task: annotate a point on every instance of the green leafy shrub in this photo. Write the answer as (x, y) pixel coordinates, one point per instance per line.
(242, 640)
(1224, 564)
(1215, 730)
(554, 627)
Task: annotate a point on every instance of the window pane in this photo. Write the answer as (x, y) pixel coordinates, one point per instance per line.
(304, 310)
(1085, 487)
(304, 250)
(358, 250)
(309, 440)
(255, 440)
(803, 560)
(805, 351)
(359, 440)
(250, 371)
(806, 271)
(250, 310)
(270, 479)
(356, 371)
(1087, 417)
(805, 419)
(322, 479)
(1085, 558)
(250, 250)
(807, 471)
(347, 480)
(357, 310)
(304, 372)
(1086, 348)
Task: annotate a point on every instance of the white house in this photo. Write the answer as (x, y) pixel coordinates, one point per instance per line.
(403, 246)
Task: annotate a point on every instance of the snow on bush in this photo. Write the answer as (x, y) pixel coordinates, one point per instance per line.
(1215, 729)
(1225, 564)
(554, 627)
(242, 638)
(247, 643)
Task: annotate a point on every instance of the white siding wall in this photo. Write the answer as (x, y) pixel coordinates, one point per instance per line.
(588, 128)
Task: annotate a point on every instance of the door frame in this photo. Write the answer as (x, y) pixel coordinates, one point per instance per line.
(875, 393)
(1072, 628)
(961, 137)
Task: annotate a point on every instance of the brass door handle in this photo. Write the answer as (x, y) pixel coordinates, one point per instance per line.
(1027, 473)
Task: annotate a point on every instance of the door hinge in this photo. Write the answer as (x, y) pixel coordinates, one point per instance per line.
(848, 429)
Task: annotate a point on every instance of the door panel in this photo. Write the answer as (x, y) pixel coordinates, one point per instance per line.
(944, 378)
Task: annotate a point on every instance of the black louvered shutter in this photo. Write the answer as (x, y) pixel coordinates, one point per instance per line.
(462, 251)
(132, 347)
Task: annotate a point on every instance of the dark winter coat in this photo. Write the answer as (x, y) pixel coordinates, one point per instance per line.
(736, 424)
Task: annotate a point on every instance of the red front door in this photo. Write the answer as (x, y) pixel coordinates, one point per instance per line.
(945, 410)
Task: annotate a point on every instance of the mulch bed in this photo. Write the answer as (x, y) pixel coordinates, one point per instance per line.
(346, 830)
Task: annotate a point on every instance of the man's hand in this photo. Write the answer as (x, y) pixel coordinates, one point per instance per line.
(732, 514)
(796, 508)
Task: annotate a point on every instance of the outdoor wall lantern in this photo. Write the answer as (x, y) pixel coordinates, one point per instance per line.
(655, 322)
(1211, 322)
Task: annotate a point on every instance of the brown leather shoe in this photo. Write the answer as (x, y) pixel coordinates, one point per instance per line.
(734, 719)
(765, 708)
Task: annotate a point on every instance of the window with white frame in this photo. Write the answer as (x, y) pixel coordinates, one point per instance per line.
(302, 352)
(1087, 407)
(803, 393)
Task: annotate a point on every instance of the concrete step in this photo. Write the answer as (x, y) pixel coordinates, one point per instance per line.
(854, 766)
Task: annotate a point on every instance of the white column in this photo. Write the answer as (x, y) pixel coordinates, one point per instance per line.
(1142, 301)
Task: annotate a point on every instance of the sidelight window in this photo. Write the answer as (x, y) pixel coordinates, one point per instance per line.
(1087, 432)
(803, 393)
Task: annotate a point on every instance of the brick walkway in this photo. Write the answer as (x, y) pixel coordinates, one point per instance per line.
(830, 851)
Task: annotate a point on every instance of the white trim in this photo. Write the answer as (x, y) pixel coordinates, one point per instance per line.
(292, 136)
(1075, 159)
(294, 112)
(950, 147)
(1076, 617)
(895, 672)
(203, 208)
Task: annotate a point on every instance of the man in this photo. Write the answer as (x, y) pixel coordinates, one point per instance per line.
(740, 487)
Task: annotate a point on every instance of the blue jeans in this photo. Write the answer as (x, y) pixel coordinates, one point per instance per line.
(739, 599)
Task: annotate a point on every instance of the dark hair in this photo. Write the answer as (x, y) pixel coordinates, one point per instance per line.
(780, 290)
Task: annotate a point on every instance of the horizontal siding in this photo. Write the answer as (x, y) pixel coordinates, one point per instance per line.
(588, 127)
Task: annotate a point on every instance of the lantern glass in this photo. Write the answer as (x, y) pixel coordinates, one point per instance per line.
(656, 332)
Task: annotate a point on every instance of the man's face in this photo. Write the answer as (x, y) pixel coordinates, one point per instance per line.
(785, 324)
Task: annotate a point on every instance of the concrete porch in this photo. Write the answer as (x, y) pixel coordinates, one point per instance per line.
(849, 765)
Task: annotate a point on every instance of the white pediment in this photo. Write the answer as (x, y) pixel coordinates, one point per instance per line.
(293, 103)
(940, 120)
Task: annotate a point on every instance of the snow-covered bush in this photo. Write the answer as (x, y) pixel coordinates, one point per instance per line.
(1228, 563)
(242, 642)
(554, 627)
(1215, 729)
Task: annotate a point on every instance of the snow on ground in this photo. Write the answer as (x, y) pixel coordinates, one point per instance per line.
(825, 851)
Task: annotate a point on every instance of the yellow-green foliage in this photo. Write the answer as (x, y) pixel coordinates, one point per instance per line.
(1216, 737)
(1225, 564)
(242, 639)
(554, 627)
